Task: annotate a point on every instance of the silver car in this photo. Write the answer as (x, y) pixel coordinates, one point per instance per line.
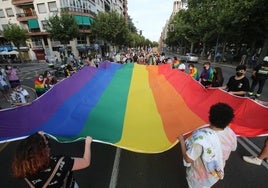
(191, 58)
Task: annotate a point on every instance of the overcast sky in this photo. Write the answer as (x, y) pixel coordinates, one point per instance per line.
(150, 16)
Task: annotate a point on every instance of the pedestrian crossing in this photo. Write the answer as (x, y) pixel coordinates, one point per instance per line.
(253, 149)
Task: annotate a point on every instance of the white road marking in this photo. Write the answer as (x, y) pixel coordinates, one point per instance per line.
(250, 150)
(252, 144)
(114, 176)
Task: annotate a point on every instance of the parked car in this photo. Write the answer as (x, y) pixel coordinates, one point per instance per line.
(189, 58)
(192, 58)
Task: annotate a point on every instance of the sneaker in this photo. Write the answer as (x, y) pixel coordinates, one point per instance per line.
(258, 95)
(252, 160)
(250, 93)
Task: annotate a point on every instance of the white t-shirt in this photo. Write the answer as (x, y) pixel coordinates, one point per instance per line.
(17, 97)
(197, 175)
(182, 67)
(3, 81)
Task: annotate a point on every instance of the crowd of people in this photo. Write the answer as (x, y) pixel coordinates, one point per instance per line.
(210, 76)
(44, 82)
(237, 84)
(11, 88)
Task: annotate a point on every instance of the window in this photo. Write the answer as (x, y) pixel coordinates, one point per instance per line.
(41, 8)
(37, 42)
(2, 14)
(5, 26)
(52, 6)
(9, 12)
(81, 39)
(44, 24)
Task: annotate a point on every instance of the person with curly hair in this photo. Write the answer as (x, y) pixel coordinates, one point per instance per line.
(34, 162)
(207, 149)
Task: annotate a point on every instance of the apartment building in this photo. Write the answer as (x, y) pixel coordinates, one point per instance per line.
(32, 15)
(177, 6)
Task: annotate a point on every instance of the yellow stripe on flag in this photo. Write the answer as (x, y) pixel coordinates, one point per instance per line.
(142, 120)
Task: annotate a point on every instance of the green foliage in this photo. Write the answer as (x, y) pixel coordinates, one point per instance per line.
(131, 26)
(155, 44)
(15, 34)
(235, 21)
(63, 28)
(111, 27)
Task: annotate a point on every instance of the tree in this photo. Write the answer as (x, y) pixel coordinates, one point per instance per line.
(16, 35)
(131, 25)
(63, 28)
(223, 22)
(111, 27)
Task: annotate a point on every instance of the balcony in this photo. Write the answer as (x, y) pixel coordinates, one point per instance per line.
(73, 10)
(26, 16)
(37, 33)
(87, 31)
(22, 2)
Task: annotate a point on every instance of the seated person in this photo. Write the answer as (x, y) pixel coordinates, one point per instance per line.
(39, 85)
(68, 71)
(50, 79)
(17, 97)
(182, 67)
(207, 74)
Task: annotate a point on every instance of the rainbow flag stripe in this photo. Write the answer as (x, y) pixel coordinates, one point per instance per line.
(141, 108)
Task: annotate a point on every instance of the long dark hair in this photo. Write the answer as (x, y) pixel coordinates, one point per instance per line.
(218, 77)
(31, 157)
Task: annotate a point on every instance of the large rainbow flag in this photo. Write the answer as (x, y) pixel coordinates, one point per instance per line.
(137, 107)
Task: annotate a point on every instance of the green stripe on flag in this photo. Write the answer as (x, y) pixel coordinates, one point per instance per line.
(112, 106)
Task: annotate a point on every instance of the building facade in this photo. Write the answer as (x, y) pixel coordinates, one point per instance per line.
(177, 6)
(32, 15)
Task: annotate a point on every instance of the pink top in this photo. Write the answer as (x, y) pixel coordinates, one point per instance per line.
(12, 74)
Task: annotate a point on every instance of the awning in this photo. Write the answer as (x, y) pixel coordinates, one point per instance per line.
(33, 24)
(81, 48)
(6, 48)
(82, 20)
(13, 52)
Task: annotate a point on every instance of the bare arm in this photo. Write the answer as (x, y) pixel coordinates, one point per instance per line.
(80, 163)
(224, 87)
(238, 92)
(254, 73)
(183, 150)
(20, 104)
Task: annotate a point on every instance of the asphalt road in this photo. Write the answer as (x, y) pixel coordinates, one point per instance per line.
(112, 167)
(164, 170)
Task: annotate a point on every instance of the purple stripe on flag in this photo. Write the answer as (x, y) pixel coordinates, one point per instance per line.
(42, 111)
